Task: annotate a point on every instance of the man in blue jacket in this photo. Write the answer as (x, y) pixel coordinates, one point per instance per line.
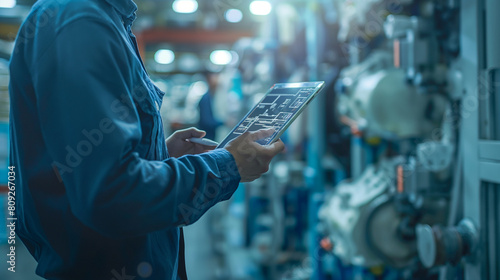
(208, 122)
(100, 193)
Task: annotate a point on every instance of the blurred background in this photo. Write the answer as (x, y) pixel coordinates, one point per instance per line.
(391, 173)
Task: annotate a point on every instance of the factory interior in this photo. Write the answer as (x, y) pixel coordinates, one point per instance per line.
(391, 172)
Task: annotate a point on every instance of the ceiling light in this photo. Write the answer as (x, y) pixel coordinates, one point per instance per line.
(189, 62)
(164, 56)
(185, 6)
(7, 3)
(260, 8)
(233, 15)
(221, 57)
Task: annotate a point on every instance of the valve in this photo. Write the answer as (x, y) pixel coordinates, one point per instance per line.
(438, 245)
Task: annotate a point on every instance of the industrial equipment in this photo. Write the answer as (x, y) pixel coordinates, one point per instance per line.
(403, 94)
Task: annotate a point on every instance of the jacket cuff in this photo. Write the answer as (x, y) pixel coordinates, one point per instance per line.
(230, 176)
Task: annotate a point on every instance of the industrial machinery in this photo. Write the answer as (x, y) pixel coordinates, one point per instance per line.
(419, 203)
(395, 169)
(392, 173)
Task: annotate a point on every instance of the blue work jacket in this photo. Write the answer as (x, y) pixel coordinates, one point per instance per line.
(98, 196)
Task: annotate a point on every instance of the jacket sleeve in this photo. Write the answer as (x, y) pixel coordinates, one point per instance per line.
(81, 83)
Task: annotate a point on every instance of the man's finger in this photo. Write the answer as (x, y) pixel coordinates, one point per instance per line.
(197, 132)
(276, 147)
(191, 132)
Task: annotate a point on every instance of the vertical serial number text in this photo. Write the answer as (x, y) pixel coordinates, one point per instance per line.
(11, 218)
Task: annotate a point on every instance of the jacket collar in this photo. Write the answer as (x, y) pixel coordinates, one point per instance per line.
(126, 8)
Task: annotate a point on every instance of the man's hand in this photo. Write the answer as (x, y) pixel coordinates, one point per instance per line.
(178, 146)
(251, 157)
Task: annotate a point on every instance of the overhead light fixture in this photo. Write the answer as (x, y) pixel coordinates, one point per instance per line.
(233, 15)
(185, 6)
(221, 57)
(7, 3)
(188, 62)
(164, 56)
(260, 8)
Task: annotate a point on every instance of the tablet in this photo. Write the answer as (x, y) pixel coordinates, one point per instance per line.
(279, 107)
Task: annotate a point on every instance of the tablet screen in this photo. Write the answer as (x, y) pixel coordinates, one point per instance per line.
(277, 109)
